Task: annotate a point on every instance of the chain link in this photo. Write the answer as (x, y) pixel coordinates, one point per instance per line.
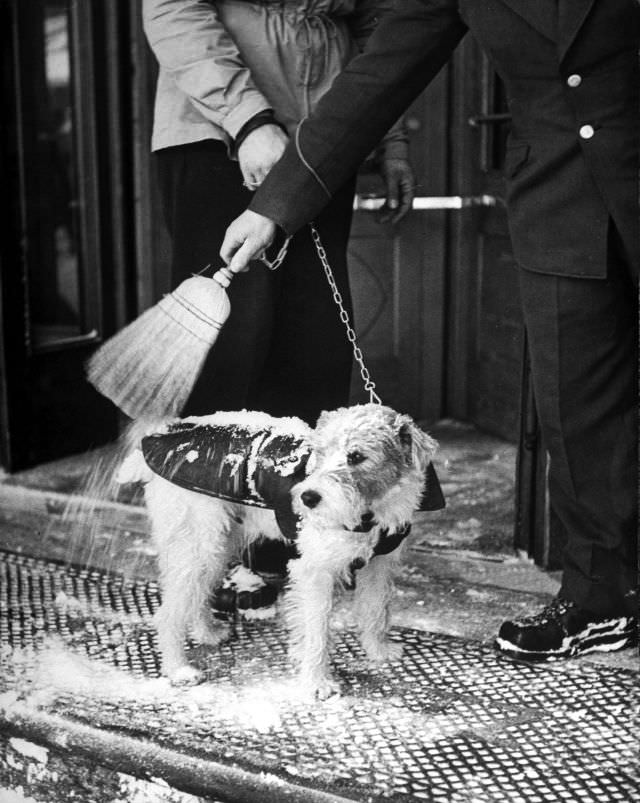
(282, 253)
(369, 384)
(280, 257)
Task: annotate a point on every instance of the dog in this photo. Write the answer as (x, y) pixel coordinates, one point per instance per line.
(350, 486)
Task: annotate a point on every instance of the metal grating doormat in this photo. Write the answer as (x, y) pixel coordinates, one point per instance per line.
(452, 722)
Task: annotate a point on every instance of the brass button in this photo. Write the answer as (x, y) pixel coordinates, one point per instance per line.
(574, 80)
(586, 131)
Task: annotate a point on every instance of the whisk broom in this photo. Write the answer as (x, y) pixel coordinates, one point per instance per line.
(150, 366)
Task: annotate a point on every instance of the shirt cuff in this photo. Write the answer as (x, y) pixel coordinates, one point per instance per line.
(394, 149)
(253, 103)
(266, 117)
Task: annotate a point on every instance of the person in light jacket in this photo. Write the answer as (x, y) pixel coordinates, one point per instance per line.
(571, 72)
(235, 77)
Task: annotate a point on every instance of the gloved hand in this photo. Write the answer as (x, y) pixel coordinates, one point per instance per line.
(399, 179)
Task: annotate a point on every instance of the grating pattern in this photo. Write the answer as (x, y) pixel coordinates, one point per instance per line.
(453, 722)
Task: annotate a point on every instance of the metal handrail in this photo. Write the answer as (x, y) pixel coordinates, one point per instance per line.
(363, 203)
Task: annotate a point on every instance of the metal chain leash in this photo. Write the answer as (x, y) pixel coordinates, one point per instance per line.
(272, 265)
(275, 264)
(369, 384)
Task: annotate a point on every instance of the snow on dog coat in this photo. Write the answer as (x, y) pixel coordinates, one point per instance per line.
(248, 465)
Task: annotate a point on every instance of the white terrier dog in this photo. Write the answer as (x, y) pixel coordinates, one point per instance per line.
(353, 482)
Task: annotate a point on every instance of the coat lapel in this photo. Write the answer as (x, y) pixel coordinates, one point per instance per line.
(571, 15)
(540, 14)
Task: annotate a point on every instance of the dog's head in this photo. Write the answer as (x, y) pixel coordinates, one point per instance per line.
(366, 461)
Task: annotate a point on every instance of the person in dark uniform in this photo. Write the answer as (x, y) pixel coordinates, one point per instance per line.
(570, 68)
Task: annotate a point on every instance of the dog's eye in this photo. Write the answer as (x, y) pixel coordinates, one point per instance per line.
(355, 457)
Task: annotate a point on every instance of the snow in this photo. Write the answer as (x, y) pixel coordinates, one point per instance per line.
(69, 606)
(132, 469)
(253, 614)
(233, 462)
(56, 671)
(155, 790)
(286, 468)
(15, 796)
(30, 750)
(74, 608)
(243, 579)
(253, 420)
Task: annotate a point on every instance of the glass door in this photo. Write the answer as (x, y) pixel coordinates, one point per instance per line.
(62, 273)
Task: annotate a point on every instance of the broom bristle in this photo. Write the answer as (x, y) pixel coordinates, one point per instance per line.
(149, 368)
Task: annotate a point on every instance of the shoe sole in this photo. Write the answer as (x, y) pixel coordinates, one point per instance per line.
(604, 637)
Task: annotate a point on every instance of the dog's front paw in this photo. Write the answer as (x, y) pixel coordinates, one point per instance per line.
(382, 651)
(185, 676)
(312, 689)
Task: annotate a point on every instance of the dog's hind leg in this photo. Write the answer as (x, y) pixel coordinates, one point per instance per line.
(193, 547)
(374, 591)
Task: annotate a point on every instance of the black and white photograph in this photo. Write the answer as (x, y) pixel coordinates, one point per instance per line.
(319, 401)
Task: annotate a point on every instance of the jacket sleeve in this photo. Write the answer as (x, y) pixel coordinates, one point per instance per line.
(363, 19)
(407, 49)
(193, 47)
(362, 22)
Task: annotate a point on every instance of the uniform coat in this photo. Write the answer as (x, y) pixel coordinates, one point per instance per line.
(572, 81)
(570, 68)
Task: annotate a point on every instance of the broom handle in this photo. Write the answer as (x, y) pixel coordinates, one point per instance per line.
(223, 277)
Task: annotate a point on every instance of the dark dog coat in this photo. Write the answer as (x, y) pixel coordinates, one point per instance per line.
(249, 465)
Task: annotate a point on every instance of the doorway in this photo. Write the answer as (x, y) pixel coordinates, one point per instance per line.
(64, 225)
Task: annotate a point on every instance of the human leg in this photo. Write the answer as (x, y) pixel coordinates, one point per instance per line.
(583, 344)
(202, 192)
(308, 368)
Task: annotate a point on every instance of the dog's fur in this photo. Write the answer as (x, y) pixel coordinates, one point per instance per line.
(366, 461)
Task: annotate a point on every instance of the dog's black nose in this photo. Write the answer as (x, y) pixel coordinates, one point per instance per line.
(310, 498)
(367, 518)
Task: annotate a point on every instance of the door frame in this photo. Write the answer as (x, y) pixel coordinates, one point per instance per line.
(49, 378)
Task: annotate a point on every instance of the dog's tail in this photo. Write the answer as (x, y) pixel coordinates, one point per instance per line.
(133, 467)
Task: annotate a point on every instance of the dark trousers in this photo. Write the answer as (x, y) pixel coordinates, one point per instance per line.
(283, 349)
(583, 342)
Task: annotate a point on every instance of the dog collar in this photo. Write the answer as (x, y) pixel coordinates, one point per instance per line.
(387, 541)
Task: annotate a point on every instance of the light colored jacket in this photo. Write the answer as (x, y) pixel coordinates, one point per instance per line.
(223, 61)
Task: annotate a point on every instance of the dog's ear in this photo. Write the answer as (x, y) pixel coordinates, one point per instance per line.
(419, 447)
(405, 435)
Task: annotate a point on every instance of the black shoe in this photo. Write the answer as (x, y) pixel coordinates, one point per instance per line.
(269, 559)
(563, 630)
(245, 592)
(251, 587)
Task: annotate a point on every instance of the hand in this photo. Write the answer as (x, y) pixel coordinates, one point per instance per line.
(246, 238)
(258, 153)
(399, 179)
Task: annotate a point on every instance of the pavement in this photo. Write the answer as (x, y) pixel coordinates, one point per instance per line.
(85, 716)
